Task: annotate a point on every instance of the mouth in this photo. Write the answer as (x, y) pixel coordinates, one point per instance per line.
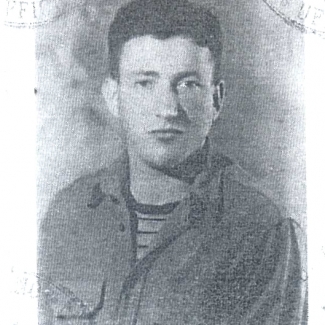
(167, 131)
(167, 134)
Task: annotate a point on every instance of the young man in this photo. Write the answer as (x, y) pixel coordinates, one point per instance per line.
(167, 235)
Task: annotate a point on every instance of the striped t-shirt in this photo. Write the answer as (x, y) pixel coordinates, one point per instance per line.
(148, 227)
(150, 219)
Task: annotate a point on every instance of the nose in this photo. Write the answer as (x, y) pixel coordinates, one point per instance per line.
(168, 103)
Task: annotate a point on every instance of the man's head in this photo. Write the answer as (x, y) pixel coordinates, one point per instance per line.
(164, 19)
(164, 68)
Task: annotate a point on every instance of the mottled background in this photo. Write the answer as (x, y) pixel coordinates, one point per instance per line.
(261, 127)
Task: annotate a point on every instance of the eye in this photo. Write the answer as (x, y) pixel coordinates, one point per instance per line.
(189, 84)
(144, 83)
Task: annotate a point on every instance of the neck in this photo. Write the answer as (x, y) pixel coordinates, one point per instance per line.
(151, 186)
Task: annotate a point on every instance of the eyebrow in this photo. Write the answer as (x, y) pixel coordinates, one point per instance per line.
(186, 74)
(178, 76)
(147, 73)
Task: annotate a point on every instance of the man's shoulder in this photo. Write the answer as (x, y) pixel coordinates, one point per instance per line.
(78, 192)
(249, 215)
(81, 202)
(243, 196)
(90, 186)
(78, 214)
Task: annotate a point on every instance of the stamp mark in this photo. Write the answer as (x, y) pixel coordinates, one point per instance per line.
(34, 13)
(28, 13)
(306, 16)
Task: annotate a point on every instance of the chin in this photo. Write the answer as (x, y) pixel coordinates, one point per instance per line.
(162, 158)
(158, 155)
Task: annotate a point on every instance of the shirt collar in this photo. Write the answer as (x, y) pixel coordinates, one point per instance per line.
(201, 170)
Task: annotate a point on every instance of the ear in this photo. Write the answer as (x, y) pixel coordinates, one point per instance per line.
(110, 93)
(218, 97)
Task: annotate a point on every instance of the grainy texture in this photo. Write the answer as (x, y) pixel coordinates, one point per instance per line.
(226, 254)
(261, 126)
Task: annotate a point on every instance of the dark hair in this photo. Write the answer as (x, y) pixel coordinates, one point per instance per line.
(164, 19)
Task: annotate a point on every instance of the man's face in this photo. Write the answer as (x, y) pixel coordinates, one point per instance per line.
(165, 98)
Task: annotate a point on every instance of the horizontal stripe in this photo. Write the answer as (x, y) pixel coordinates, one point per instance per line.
(152, 219)
(143, 246)
(141, 232)
(153, 209)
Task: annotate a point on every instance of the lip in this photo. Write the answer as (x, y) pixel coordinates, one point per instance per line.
(167, 131)
(166, 135)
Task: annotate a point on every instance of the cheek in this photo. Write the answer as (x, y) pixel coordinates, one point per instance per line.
(134, 117)
(134, 103)
(199, 108)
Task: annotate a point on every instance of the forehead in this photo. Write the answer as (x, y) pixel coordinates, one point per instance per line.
(170, 55)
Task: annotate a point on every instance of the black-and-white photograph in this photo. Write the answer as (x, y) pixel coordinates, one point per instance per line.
(171, 163)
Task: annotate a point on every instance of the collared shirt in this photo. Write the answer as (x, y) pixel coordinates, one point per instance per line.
(225, 256)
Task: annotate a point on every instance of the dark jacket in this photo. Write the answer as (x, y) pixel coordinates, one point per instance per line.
(226, 256)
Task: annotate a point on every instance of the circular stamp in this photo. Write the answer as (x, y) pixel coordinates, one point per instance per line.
(35, 13)
(308, 16)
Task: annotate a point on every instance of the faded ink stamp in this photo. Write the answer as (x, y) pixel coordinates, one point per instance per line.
(307, 16)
